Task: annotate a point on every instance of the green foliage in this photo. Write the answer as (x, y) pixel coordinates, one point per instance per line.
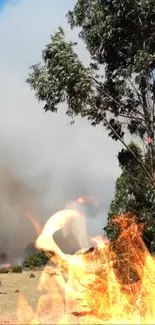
(120, 36)
(62, 77)
(133, 193)
(16, 269)
(105, 24)
(35, 260)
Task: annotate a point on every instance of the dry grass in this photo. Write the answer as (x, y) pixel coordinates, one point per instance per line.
(12, 284)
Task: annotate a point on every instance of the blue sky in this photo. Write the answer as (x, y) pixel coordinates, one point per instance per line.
(2, 3)
(63, 3)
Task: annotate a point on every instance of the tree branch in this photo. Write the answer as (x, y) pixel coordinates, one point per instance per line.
(129, 149)
(130, 117)
(116, 102)
(136, 91)
(120, 139)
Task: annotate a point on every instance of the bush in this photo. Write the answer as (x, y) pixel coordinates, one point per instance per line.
(37, 259)
(30, 250)
(4, 270)
(16, 269)
(32, 275)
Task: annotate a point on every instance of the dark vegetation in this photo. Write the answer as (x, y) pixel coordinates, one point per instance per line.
(35, 260)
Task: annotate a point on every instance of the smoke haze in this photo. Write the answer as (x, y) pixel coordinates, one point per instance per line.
(44, 162)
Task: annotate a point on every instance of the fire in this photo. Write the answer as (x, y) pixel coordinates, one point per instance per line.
(88, 200)
(34, 221)
(113, 283)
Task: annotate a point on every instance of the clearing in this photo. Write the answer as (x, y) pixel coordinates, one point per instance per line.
(12, 284)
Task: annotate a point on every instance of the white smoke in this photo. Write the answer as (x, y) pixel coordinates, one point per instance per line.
(54, 161)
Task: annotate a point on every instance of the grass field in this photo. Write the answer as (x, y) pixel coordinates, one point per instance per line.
(51, 311)
(12, 284)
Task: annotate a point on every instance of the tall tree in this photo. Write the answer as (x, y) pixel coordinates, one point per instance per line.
(117, 89)
(133, 194)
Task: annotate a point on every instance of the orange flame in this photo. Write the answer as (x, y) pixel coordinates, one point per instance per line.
(111, 284)
(34, 221)
(88, 200)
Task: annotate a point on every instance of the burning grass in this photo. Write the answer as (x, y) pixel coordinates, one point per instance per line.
(12, 285)
(111, 284)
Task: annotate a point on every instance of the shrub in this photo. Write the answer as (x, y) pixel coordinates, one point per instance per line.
(32, 275)
(16, 269)
(16, 291)
(4, 270)
(30, 250)
(37, 259)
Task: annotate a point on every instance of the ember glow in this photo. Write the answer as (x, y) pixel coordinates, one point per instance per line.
(34, 221)
(91, 200)
(113, 283)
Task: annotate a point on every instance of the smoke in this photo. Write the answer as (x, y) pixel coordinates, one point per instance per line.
(44, 162)
(45, 185)
(15, 228)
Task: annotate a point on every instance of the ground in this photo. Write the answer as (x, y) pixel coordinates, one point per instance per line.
(12, 284)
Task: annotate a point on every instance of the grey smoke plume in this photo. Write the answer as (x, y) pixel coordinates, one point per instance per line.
(48, 190)
(15, 198)
(49, 164)
(44, 163)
